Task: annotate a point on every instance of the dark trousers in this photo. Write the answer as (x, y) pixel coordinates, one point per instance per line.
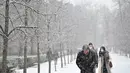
(87, 71)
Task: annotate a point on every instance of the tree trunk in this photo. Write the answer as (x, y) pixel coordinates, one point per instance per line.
(38, 49)
(32, 51)
(61, 55)
(68, 56)
(64, 58)
(38, 55)
(49, 56)
(71, 59)
(55, 56)
(37, 33)
(20, 46)
(55, 65)
(4, 62)
(5, 39)
(25, 57)
(49, 66)
(25, 48)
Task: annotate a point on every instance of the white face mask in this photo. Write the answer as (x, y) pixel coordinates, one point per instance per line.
(90, 47)
(102, 50)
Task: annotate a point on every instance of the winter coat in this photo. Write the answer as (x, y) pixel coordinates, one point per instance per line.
(96, 58)
(86, 63)
(96, 55)
(103, 65)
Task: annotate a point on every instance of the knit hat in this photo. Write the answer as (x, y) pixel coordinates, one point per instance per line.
(85, 47)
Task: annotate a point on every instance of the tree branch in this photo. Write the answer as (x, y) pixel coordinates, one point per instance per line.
(55, 13)
(11, 22)
(32, 9)
(18, 17)
(4, 35)
(1, 34)
(18, 12)
(17, 28)
(2, 29)
(2, 15)
(21, 31)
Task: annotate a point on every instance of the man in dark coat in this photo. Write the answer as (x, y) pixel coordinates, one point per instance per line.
(95, 51)
(86, 60)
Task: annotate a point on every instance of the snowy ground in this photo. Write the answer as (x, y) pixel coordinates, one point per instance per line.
(121, 64)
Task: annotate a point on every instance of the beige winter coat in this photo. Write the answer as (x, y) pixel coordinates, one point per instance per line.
(101, 61)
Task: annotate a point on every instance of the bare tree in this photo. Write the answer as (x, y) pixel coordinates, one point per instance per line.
(25, 46)
(5, 37)
(37, 33)
(64, 56)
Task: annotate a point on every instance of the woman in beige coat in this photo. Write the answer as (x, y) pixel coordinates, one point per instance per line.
(104, 60)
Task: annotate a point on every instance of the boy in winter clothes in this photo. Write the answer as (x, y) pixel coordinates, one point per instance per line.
(86, 60)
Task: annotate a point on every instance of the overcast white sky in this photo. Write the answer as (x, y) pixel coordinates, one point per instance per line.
(108, 3)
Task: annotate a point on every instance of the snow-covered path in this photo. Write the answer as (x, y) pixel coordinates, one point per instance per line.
(121, 64)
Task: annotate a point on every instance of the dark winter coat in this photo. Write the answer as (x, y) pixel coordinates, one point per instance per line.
(86, 63)
(96, 56)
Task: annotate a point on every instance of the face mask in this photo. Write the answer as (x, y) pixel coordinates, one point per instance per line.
(102, 50)
(90, 47)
